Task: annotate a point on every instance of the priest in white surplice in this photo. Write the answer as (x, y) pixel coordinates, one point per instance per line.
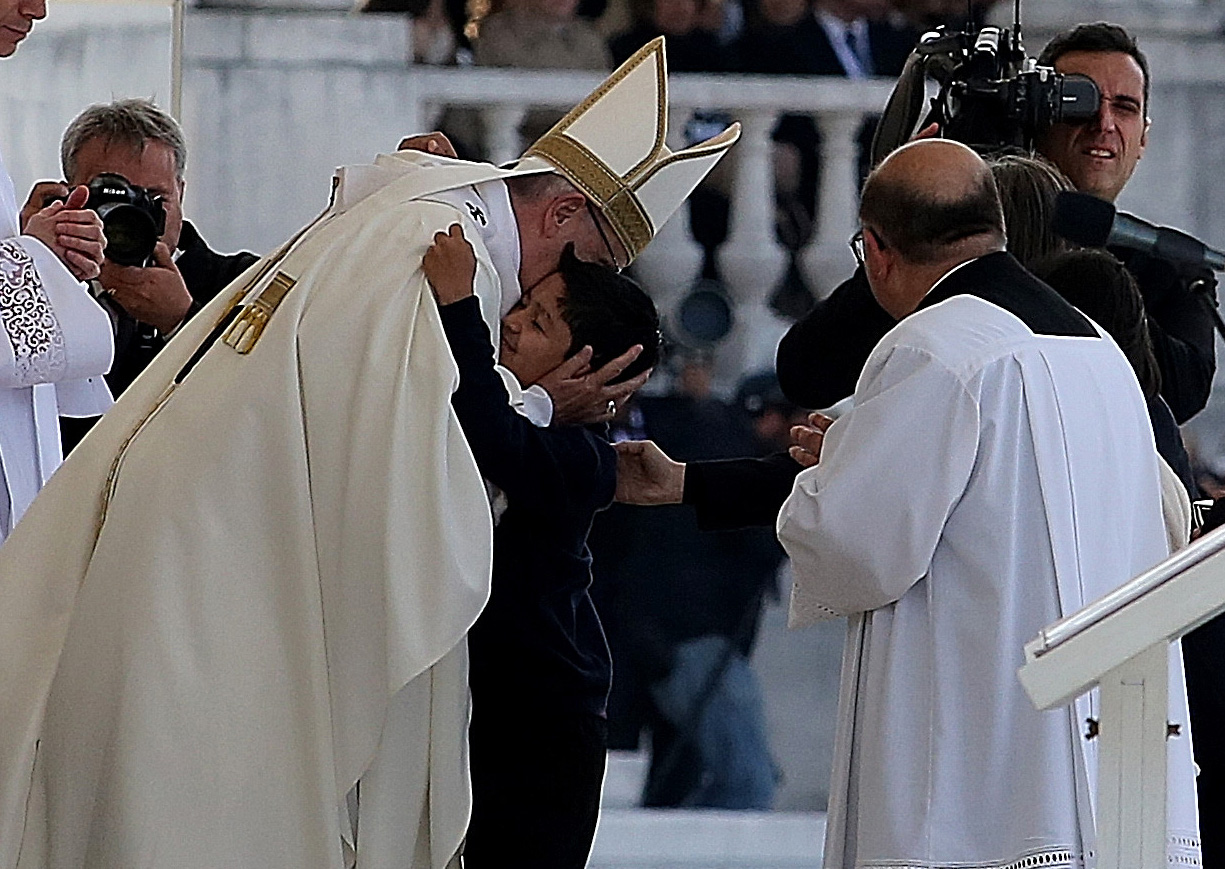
(997, 471)
(232, 630)
(55, 340)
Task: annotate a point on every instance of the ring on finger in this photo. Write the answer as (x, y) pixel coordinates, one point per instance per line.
(611, 410)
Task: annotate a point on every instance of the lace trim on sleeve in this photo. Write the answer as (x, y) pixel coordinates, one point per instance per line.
(27, 318)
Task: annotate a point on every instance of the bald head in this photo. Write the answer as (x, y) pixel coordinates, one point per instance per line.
(934, 200)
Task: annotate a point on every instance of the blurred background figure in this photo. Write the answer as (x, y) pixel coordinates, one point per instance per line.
(682, 608)
(539, 34)
(853, 39)
(697, 32)
(929, 14)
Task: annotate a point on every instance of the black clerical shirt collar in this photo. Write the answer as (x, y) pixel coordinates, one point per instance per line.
(999, 279)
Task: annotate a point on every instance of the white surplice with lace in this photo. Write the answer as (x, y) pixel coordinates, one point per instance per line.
(55, 343)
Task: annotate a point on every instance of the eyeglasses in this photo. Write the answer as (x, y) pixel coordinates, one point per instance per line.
(856, 243)
(612, 256)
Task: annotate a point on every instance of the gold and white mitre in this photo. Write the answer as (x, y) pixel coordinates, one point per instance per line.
(611, 147)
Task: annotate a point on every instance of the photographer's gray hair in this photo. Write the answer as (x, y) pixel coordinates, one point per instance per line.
(134, 122)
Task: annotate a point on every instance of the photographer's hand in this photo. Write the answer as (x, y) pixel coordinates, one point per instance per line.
(72, 232)
(155, 294)
(42, 191)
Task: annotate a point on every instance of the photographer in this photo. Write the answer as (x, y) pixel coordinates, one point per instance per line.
(145, 145)
(822, 355)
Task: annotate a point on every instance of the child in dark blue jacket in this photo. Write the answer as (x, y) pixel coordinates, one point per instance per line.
(539, 664)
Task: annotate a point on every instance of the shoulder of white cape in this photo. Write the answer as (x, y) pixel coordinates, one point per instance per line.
(413, 174)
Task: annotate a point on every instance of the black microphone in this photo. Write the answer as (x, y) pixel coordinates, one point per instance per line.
(1092, 222)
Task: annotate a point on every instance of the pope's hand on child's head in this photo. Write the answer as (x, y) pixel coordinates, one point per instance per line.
(450, 265)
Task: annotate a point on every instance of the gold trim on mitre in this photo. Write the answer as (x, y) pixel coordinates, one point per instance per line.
(608, 192)
(612, 143)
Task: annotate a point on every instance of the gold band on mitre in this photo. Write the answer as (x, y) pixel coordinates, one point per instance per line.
(605, 190)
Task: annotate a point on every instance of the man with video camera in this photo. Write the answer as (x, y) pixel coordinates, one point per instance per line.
(151, 282)
(821, 356)
(1099, 157)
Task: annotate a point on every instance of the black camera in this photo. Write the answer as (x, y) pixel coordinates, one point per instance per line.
(991, 95)
(133, 218)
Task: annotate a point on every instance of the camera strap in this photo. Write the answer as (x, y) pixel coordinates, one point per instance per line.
(902, 111)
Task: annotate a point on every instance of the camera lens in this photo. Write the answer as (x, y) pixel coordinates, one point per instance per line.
(130, 233)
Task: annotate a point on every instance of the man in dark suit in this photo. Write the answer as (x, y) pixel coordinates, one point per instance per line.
(136, 139)
(836, 37)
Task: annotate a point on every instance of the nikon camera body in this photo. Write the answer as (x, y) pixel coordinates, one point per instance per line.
(133, 218)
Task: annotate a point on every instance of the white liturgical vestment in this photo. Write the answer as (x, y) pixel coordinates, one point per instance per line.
(233, 623)
(55, 343)
(996, 472)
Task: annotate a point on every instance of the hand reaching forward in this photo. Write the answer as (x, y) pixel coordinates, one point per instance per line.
(430, 143)
(72, 232)
(450, 265)
(808, 439)
(646, 475)
(582, 396)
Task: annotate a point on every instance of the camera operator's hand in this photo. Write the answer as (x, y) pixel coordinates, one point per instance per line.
(646, 475)
(72, 232)
(583, 396)
(155, 294)
(38, 197)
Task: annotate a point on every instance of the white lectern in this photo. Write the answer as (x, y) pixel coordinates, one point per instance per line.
(1120, 642)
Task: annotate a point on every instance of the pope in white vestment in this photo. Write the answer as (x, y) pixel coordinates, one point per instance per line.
(994, 474)
(55, 343)
(277, 534)
(233, 624)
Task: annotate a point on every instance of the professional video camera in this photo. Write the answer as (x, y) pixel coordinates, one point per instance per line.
(133, 218)
(991, 96)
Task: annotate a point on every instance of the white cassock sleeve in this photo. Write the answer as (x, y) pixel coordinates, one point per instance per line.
(51, 329)
(861, 527)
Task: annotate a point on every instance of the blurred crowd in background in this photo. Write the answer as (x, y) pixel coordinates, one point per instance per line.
(704, 35)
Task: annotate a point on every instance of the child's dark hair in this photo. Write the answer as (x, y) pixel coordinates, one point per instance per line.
(610, 312)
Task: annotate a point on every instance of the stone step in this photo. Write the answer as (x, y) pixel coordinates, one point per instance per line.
(633, 838)
(707, 839)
